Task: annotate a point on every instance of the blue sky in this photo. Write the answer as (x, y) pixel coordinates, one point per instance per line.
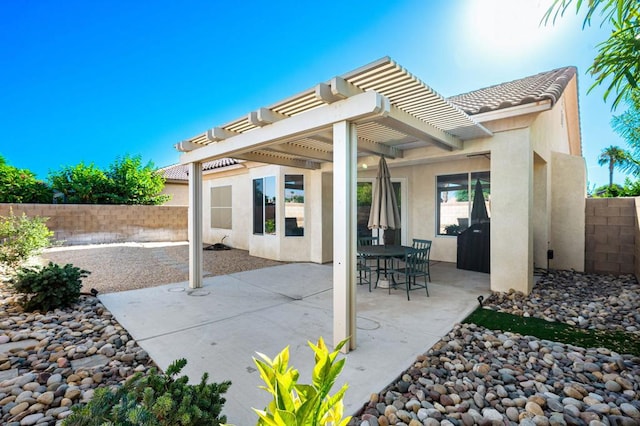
(92, 80)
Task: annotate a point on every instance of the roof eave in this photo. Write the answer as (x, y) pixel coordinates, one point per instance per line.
(514, 111)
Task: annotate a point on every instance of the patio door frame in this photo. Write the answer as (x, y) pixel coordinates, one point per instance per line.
(404, 216)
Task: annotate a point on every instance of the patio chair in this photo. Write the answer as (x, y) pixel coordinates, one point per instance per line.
(363, 266)
(418, 244)
(416, 265)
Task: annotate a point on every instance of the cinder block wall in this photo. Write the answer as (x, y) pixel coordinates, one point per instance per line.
(98, 224)
(611, 233)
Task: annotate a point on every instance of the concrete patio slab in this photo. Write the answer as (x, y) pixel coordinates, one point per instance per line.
(220, 327)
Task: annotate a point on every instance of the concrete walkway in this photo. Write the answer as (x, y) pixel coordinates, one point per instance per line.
(221, 326)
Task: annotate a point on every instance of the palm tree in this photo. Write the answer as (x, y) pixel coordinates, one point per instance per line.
(615, 157)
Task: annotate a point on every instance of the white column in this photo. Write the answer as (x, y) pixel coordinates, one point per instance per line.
(195, 225)
(344, 233)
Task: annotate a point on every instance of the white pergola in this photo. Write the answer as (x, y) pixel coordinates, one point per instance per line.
(379, 108)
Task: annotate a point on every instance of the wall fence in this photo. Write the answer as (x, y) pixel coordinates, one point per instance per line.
(76, 224)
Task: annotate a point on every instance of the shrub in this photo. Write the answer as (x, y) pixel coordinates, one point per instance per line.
(21, 186)
(22, 237)
(154, 399)
(300, 404)
(81, 184)
(126, 181)
(131, 182)
(49, 287)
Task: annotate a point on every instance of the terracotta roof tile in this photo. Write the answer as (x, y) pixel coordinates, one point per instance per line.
(547, 85)
(180, 171)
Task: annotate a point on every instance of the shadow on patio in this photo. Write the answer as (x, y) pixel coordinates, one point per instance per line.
(218, 328)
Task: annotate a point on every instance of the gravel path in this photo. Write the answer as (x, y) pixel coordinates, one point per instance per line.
(471, 376)
(121, 267)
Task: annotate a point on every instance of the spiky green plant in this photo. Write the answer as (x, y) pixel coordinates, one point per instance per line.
(155, 400)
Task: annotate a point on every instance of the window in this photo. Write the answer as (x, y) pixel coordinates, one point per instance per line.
(294, 205)
(264, 205)
(454, 202)
(221, 207)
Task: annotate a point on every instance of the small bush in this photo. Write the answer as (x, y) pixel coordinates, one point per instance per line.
(49, 287)
(22, 237)
(299, 404)
(155, 399)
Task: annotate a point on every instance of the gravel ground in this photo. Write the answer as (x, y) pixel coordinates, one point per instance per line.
(474, 375)
(129, 266)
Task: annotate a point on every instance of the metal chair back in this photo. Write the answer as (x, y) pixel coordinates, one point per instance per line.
(367, 241)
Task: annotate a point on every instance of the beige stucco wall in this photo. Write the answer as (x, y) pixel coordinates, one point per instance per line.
(541, 211)
(241, 205)
(320, 215)
(568, 194)
(512, 220)
(179, 193)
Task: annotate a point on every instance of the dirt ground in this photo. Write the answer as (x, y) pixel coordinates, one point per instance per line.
(128, 266)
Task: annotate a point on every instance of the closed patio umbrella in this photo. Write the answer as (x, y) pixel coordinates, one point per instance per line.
(384, 212)
(479, 208)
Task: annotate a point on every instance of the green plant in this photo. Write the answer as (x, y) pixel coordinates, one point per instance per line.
(21, 186)
(133, 183)
(44, 288)
(22, 237)
(452, 229)
(80, 184)
(300, 404)
(154, 399)
(270, 226)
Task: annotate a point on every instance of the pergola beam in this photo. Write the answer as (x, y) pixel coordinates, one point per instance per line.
(336, 90)
(408, 124)
(301, 151)
(186, 146)
(364, 105)
(378, 148)
(261, 157)
(264, 116)
(218, 133)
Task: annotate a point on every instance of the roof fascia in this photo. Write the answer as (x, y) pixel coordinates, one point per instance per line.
(513, 111)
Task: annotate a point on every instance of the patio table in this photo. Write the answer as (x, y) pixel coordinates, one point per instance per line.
(386, 253)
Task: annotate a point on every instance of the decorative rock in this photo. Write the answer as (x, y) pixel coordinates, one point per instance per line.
(534, 409)
(46, 398)
(492, 415)
(613, 386)
(31, 419)
(19, 408)
(481, 368)
(599, 408)
(512, 413)
(628, 410)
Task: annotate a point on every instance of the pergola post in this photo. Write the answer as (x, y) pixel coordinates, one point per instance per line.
(345, 143)
(195, 225)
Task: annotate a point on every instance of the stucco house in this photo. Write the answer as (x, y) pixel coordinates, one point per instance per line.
(283, 181)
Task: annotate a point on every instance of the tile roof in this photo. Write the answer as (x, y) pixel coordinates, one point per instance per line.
(547, 85)
(181, 171)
